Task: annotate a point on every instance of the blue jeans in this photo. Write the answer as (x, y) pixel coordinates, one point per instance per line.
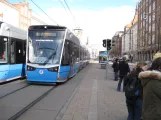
(134, 110)
(116, 75)
(119, 84)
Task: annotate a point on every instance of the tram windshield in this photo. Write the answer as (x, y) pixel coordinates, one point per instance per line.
(45, 46)
(3, 50)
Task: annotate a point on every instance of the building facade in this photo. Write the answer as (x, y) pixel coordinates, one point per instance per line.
(117, 42)
(19, 15)
(129, 41)
(134, 41)
(126, 41)
(149, 40)
(129, 38)
(7, 10)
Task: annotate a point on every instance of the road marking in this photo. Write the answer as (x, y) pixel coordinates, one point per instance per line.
(93, 115)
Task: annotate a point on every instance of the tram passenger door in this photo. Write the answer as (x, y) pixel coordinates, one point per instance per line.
(13, 70)
(20, 52)
(17, 58)
(21, 55)
(65, 71)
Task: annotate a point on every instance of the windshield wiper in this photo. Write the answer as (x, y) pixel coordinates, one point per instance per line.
(51, 56)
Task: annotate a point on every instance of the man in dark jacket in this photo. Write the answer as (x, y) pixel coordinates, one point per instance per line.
(115, 69)
(124, 69)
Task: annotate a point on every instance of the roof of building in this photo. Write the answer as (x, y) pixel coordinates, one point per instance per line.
(135, 19)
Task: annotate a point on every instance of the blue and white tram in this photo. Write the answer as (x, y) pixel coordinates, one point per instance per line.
(53, 54)
(12, 52)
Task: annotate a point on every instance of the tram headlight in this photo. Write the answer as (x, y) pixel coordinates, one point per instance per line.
(29, 68)
(53, 69)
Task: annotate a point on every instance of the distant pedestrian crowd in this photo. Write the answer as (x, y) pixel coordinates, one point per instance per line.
(142, 87)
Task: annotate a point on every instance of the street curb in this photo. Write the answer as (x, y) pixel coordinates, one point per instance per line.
(64, 108)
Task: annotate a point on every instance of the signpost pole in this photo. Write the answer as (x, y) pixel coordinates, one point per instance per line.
(107, 60)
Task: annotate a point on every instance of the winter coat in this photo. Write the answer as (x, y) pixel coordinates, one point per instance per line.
(151, 82)
(123, 68)
(115, 66)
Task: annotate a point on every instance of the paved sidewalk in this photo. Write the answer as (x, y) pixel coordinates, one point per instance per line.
(97, 98)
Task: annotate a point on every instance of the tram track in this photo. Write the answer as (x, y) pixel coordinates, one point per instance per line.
(11, 81)
(26, 108)
(31, 95)
(12, 87)
(14, 91)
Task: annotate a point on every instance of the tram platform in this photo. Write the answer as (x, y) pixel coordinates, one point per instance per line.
(96, 98)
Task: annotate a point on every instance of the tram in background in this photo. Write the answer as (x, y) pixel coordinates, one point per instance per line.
(12, 52)
(54, 54)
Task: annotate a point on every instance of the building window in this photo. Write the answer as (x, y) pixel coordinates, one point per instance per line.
(149, 9)
(153, 5)
(153, 27)
(25, 11)
(153, 16)
(22, 11)
(29, 14)
(149, 28)
(149, 19)
(153, 38)
(149, 40)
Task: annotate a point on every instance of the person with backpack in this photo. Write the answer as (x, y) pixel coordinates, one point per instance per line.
(134, 92)
(115, 66)
(124, 69)
(151, 82)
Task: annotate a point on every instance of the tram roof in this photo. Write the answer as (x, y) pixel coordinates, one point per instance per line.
(15, 32)
(47, 26)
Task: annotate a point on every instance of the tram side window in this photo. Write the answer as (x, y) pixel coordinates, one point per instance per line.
(80, 53)
(3, 49)
(71, 52)
(66, 54)
(81, 56)
(76, 53)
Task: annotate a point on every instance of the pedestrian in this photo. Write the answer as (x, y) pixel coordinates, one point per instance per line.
(151, 82)
(131, 58)
(134, 92)
(124, 69)
(115, 66)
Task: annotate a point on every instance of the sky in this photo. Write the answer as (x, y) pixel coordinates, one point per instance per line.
(99, 19)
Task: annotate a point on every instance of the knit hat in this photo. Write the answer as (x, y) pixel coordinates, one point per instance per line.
(157, 55)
